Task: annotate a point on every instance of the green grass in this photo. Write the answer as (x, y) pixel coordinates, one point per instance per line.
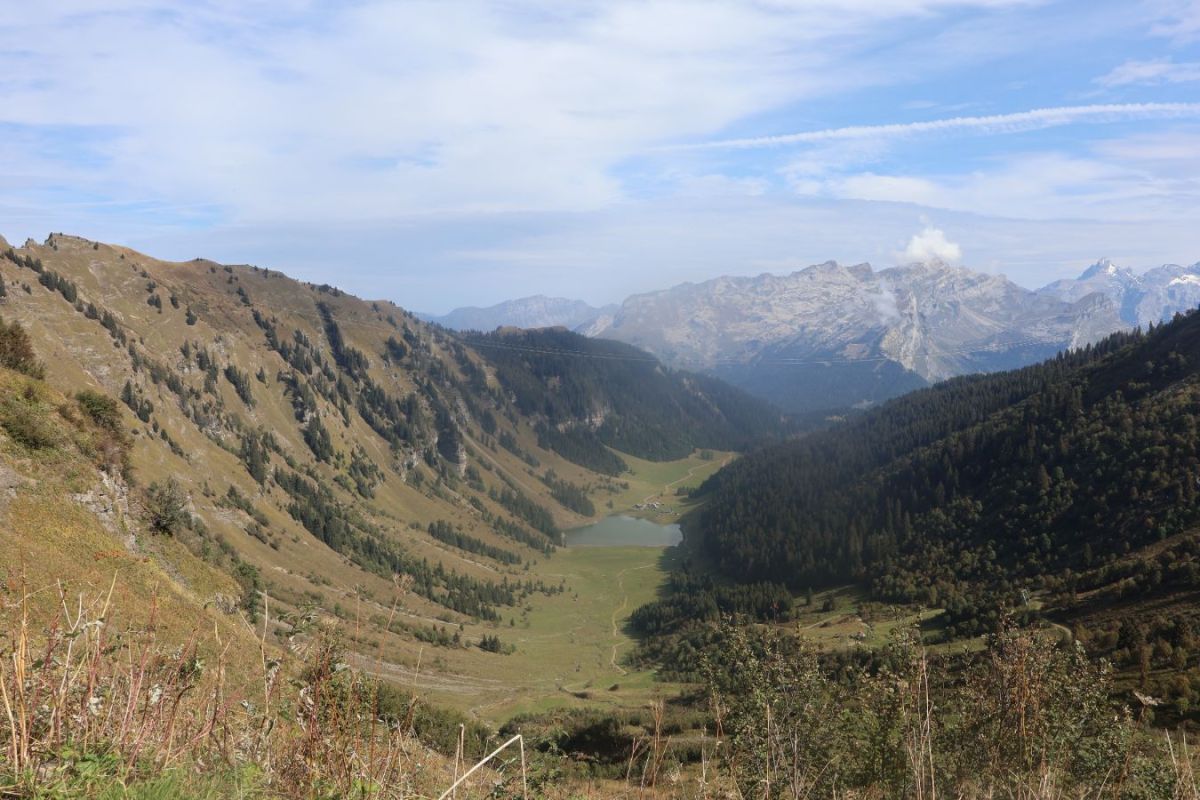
(843, 618)
(657, 481)
(96, 777)
(569, 647)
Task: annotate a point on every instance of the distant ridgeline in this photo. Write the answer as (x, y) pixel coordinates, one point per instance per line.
(1068, 488)
(592, 394)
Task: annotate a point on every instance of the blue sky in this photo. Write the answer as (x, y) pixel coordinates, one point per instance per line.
(452, 153)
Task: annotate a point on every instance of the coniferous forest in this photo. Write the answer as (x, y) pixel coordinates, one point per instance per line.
(596, 394)
(972, 494)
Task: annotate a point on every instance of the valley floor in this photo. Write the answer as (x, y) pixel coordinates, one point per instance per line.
(569, 647)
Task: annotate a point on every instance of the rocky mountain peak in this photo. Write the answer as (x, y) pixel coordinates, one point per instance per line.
(1104, 266)
(832, 334)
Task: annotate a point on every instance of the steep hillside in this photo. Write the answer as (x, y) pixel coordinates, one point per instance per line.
(593, 394)
(338, 455)
(139, 657)
(70, 520)
(1066, 489)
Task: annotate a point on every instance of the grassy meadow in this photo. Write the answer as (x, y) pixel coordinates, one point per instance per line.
(567, 649)
(659, 481)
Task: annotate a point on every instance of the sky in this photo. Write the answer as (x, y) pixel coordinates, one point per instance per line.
(454, 153)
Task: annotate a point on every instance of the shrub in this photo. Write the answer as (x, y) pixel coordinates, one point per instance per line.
(100, 408)
(166, 506)
(16, 351)
(27, 424)
(1027, 712)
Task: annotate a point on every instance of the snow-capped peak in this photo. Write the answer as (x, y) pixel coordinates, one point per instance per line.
(1102, 267)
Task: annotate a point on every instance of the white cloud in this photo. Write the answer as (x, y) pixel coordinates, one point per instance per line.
(1018, 122)
(272, 113)
(931, 244)
(428, 148)
(1155, 71)
(1179, 20)
(1171, 152)
(1144, 177)
(885, 304)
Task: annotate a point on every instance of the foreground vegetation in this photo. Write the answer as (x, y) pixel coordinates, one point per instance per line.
(1028, 717)
(94, 708)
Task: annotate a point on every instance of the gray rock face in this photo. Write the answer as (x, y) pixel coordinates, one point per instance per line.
(858, 334)
(527, 312)
(1152, 297)
(833, 335)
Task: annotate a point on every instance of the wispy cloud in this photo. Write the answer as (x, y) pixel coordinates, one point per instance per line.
(405, 139)
(1154, 71)
(1179, 20)
(272, 110)
(1017, 122)
(1145, 179)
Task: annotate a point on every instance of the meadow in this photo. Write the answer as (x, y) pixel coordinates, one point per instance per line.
(568, 649)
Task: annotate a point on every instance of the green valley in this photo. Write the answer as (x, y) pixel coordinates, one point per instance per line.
(325, 522)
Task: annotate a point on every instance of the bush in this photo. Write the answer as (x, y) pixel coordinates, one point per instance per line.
(16, 351)
(1025, 712)
(100, 408)
(27, 424)
(166, 506)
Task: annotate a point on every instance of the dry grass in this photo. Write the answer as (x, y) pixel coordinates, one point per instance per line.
(79, 691)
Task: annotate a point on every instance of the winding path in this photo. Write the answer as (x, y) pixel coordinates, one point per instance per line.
(612, 658)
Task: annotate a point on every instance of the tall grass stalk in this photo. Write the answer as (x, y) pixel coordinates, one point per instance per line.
(78, 691)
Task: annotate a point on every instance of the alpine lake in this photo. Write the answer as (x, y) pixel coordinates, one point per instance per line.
(620, 530)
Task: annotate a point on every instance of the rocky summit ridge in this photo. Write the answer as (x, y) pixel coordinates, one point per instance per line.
(834, 335)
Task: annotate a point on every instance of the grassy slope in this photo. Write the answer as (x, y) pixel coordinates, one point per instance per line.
(297, 569)
(658, 482)
(79, 354)
(60, 551)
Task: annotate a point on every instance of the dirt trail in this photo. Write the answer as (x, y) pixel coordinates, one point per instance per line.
(612, 658)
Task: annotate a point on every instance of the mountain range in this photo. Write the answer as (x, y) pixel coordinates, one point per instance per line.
(832, 336)
(1140, 300)
(537, 311)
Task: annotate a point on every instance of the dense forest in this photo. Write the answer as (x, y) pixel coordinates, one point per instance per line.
(965, 494)
(592, 394)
